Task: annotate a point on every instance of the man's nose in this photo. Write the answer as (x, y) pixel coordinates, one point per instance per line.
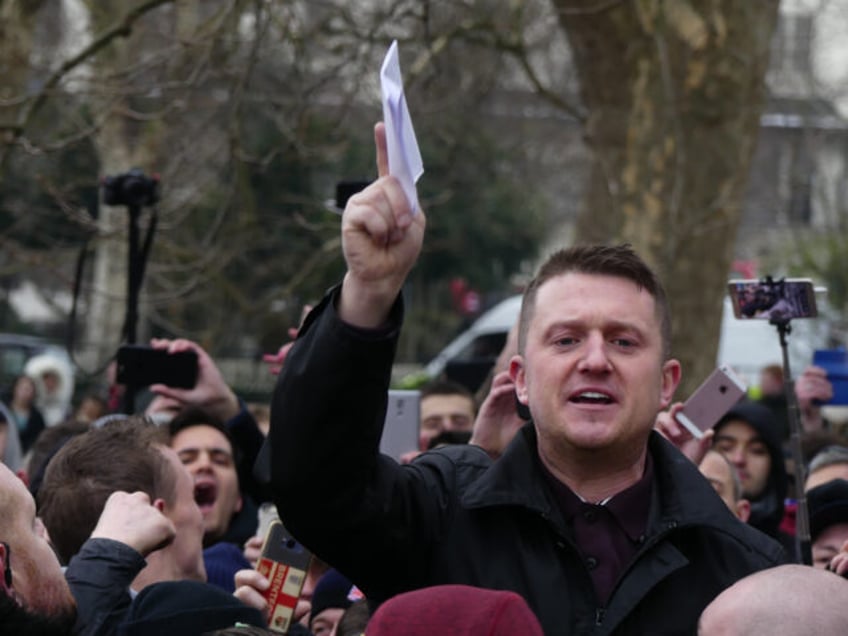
(594, 357)
(736, 456)
(203, 461)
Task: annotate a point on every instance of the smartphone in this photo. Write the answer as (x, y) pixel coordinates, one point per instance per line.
(284, 562)
(773, 300)
(705, 407)
(139, 365)
(403, 419)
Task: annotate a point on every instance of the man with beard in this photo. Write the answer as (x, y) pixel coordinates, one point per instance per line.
(34, 595)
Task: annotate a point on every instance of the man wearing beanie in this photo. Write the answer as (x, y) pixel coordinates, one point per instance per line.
(828, 506)
(333, 595)
(748, 436)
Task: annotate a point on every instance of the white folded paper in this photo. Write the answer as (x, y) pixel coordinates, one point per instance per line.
(404, 157)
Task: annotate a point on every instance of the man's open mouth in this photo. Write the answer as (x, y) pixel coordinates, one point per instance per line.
(205, 495)
(591, 397)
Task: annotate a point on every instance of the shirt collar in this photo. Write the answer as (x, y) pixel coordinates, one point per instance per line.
(630, 507)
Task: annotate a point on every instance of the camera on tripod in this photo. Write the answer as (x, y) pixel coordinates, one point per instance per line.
(132, 188)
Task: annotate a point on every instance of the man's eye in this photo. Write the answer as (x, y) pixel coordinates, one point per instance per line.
(624, 343)
(187, 457)
(566, 341)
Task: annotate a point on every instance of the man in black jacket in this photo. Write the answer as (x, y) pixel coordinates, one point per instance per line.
(596, 521)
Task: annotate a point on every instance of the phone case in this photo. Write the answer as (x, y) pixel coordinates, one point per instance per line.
(284, 562)
(704, 408)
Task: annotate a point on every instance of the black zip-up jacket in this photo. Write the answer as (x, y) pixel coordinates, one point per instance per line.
(456, 516)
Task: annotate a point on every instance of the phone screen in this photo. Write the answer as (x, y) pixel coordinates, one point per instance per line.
(773, 300)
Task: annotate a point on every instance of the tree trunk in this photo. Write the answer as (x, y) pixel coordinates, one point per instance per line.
(674, 90)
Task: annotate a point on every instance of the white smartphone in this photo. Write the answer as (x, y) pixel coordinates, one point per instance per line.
(705, 407)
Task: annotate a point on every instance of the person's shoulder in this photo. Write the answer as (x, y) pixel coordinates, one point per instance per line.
(465, 461)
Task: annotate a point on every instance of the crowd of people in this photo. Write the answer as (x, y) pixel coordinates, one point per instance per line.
(566, 500)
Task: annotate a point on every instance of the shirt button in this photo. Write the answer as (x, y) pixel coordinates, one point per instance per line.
(590, 516)
(591, 563)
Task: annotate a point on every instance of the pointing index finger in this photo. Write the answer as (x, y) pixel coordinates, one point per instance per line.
(382, 150)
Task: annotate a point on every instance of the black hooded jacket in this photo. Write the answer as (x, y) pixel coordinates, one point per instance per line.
(767, 509)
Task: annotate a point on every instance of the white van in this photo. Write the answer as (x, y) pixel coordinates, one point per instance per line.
(746, 345)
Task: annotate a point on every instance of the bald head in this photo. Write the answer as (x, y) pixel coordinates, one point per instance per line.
(788, 600)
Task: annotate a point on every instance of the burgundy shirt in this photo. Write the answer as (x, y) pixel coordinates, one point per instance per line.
(608, 533)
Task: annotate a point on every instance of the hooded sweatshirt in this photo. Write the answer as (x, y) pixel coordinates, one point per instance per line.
(767, 507)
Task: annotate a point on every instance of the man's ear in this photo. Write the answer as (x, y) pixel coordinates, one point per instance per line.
(671, 373)
(159, 504)
(743, 510)
(518, 376)
(6, 567)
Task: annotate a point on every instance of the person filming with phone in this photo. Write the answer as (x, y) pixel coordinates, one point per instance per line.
(599, 523)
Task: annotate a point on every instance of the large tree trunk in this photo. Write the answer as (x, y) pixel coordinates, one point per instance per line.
(674, 90)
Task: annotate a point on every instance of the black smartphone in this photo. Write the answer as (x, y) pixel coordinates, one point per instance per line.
(782, 299)
(139, 365)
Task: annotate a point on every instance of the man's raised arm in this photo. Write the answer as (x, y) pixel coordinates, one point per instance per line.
(329, 404)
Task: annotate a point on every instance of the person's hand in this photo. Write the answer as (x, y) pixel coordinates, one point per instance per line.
(381, 240)
(132, 520)
(211, 392)
(667, 426)
(497, 420)
(812, 388)
(839, 563)
(249, 588)
(252, 549)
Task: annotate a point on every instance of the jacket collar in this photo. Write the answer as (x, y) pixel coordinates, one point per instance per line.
(515, 479)
(682, 497)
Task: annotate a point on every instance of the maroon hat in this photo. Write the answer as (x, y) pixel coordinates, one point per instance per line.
(454, 610)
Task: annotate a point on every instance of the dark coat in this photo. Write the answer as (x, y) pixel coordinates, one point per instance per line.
(456, 516)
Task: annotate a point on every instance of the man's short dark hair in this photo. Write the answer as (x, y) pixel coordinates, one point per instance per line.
(194, 416)
(445, 387)
(122, 455)
(620, 261)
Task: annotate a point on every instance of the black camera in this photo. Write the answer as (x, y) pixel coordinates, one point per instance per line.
(132, 188)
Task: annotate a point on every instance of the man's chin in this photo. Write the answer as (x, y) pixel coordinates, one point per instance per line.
(17, 619)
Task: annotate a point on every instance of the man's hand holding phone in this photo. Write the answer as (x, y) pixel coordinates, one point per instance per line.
(694, 448)
(211, 392)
